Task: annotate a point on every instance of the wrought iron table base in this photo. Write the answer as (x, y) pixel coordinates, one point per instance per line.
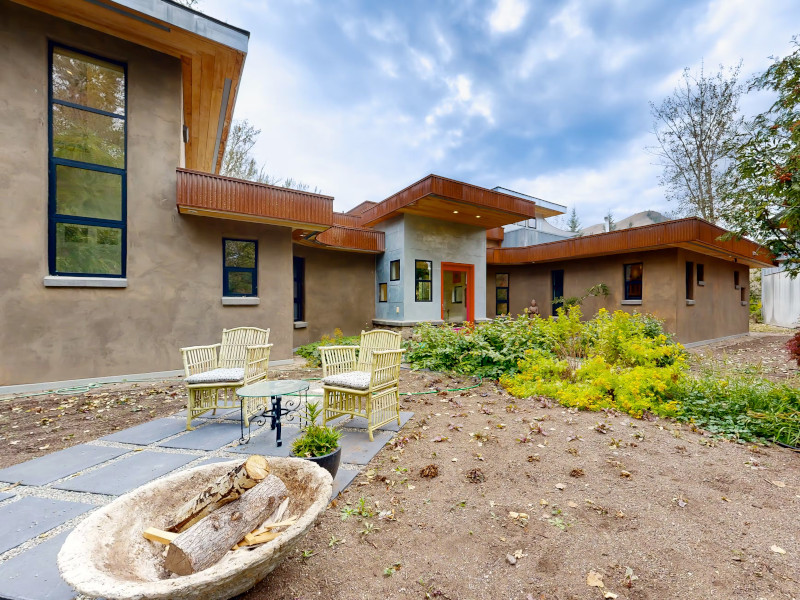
(275, 414)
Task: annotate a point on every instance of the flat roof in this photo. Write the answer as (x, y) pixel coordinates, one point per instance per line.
(550, 209)
(693, 234)
(445, 199)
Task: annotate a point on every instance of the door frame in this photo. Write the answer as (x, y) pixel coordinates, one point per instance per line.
(469, 294)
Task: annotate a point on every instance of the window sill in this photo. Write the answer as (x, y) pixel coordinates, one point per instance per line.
(744, 302)
(86, 282)
(300, 324)
(737, 287)
(690, 303)
(701, 283)
(240, 301)
(631, 302)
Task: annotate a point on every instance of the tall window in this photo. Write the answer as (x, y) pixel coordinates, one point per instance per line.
(689, 280)
(239, 268)
(501, 293)
(423, 277)
(633, 281)
(382, 292)
(394, 270)
(701, 274)
(299, 275)
(736, 279)
(87, 213)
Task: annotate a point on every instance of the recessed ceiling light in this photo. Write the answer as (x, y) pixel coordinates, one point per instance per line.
(455, 212)
(477, 216)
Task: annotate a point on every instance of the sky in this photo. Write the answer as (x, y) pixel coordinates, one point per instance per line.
(362, 98)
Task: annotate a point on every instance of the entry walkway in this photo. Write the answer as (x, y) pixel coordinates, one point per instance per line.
(55, 492)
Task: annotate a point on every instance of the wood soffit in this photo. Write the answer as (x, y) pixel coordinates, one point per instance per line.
(692, 234)
(209, 68)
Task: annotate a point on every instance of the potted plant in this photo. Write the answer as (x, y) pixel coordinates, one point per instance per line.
(318, 443)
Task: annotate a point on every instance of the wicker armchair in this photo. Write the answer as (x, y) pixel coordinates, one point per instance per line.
(213, 373)
(363, 380)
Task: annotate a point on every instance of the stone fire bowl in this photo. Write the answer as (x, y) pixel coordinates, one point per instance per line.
(106, 555)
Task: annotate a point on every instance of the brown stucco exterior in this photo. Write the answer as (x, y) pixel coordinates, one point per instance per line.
(717, 311)
(174, 264)
(339, 293)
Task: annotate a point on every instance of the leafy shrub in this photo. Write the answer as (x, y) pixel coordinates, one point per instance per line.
(742, 406)
(311, 351)
(793, 346)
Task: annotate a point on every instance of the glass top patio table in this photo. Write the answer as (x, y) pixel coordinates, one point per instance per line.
(273, 412)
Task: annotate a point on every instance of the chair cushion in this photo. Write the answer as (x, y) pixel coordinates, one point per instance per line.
(356, 380)
(217, 376)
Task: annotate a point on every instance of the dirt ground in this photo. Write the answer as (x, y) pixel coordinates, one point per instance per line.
(487, 496)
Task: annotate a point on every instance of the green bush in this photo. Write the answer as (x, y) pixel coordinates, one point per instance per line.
(311, 351)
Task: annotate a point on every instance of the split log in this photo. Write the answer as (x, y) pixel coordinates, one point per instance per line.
(225, 489)
(159, 535)
(207, 541)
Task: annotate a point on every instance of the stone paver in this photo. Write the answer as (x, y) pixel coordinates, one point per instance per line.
(343, 479)
(209, 437)
(222, 413)
(33, 575)
(28, 517)
(147, 433)
(361, 422)
(357, 449)
(45, 469)
(264, 443)
(127, 473)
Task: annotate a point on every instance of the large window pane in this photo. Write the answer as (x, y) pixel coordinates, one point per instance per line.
(88, 137)
(88, 81)
(86, 193)
(423, 269)
(240, 254)
(423, 291)
(88, 249)
(240, 283)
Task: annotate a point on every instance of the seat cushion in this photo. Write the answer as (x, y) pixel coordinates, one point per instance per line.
(217, 376)
(355, 380)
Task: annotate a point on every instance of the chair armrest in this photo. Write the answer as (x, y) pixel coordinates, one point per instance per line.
(256, 364)
(197, 359)
(337, 359)
(385, 367)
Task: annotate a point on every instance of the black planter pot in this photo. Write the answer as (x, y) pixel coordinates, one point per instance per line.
(329, 462)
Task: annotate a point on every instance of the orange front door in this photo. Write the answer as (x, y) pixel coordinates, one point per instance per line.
(458, 285)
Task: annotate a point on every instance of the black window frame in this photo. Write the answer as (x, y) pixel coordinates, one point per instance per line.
(497, 301)
(628, 283)
(383, 290)
(53, 218)
(226, 269)
(701, 274)
(689, 280)
(736, 279)
(417, 280)
(299, 287)
(391, 265)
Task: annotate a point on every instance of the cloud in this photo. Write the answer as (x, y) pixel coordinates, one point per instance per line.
(507, 15)
(461, 97)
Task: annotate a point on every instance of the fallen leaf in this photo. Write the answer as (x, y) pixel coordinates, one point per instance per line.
(519, 554)
(608, 594)
(594, 579)
(625, 474)
(777, 549)
(779, 484)
(572, 504)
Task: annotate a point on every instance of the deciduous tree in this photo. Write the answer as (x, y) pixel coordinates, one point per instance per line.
(765, 195)
(697, 128)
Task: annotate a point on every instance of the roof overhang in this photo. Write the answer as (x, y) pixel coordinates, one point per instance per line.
(449, 200)
(211, 52)
(692, 234)
(544, 208)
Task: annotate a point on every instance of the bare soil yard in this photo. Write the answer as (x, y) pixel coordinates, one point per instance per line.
(486, 496)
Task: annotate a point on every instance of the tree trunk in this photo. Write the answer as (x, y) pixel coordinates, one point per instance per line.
(225, 489)
(206, 542)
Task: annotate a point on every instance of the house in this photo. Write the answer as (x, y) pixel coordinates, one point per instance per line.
(122, 243)
(780, 297)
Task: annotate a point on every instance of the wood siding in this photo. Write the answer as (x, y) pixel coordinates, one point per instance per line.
(692, 233)
(348, 238)
(237, 198)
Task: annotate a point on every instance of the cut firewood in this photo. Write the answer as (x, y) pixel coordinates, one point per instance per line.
(272, 526)
(262, 538)
(205, 542)
(276, 516)
(227, 488)
(159, 535)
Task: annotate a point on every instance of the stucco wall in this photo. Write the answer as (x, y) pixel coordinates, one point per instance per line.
(339, 292)
(174, 266)
(780, 297)
(717, 311)
(394, 308)
(441, 241)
